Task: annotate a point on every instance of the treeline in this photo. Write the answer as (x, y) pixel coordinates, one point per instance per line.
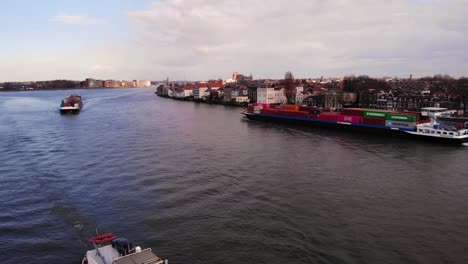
(456, 89)
(42, 85)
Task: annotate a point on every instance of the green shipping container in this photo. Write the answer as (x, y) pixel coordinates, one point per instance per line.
(375, 114)
(400, 117)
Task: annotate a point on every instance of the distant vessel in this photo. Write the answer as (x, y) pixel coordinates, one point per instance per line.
(108, 249)
(432, 123)
(71, 104)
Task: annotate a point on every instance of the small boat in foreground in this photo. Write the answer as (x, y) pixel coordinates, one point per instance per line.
(108, 249)
(71, 104)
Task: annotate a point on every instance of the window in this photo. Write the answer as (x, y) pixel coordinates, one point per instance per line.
(445, 133)
(438, 132)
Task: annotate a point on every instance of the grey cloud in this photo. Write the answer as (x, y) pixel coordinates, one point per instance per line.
(311, 37)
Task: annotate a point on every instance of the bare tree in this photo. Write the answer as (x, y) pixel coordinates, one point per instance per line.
(289, 88)
(462, 91)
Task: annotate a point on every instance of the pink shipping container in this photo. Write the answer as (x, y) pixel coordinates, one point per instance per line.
(257, 104)
(349, 119)
(266, 106)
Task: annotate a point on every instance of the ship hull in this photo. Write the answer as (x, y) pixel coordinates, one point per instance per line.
(70, 110)
(72, 104)
(360, 128)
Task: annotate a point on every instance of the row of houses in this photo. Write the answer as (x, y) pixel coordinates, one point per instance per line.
(391, 94)
(93, 83)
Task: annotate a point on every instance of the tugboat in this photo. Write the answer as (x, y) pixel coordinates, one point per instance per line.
(72, 104)
(108, 249)
(443, 127)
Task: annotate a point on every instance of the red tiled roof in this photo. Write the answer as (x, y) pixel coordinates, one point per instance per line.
(202, 85)
(216, 84)
(189, 86)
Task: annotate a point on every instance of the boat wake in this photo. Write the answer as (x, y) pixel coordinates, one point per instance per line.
(465, 144)
(92, 101)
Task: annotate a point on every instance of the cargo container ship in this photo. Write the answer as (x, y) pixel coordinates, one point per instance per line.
(432, 123)
(72, 104)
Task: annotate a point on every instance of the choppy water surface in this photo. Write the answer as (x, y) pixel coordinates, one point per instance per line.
(198, 184)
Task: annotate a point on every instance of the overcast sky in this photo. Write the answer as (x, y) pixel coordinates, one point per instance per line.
(205, 39)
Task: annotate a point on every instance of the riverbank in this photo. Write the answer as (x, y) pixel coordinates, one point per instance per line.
(74, 88)
(208, 101)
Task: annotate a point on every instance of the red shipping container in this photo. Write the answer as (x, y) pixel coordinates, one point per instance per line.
(268, 111)
(373, 121)
(352, 112)
(250, 109)
(306, 108)
(330, 116)
(349, 119)
(299, 114)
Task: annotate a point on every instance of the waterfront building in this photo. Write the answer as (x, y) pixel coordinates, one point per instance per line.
(142, 83)
(188, 90)
(299, 95)
(252, 94)
(200, 90)
(112, 84)
(230, 93)
(93, 83)
(242, 99)
(270, 95)
(215, 85)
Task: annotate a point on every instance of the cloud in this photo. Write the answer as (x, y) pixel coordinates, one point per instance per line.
(73, 19)
(101, 68)
(309, 37)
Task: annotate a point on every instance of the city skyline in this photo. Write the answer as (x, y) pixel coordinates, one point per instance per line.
(207, 39)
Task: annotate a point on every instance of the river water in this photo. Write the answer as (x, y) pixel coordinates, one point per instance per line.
(199, 184)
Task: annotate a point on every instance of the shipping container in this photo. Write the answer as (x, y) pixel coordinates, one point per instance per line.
(292, 113)
(375, 114)
(417, 115)
(290, 107)
(401, 117)
(250, 109)
(373, 121)
(352, 112)
(307, 109)
(268, 111)
(349, 119)
(257, 104)
(399, 124)
(266, 106)
(330, 116)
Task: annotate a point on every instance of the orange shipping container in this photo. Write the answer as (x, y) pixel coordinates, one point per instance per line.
(290, 107)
